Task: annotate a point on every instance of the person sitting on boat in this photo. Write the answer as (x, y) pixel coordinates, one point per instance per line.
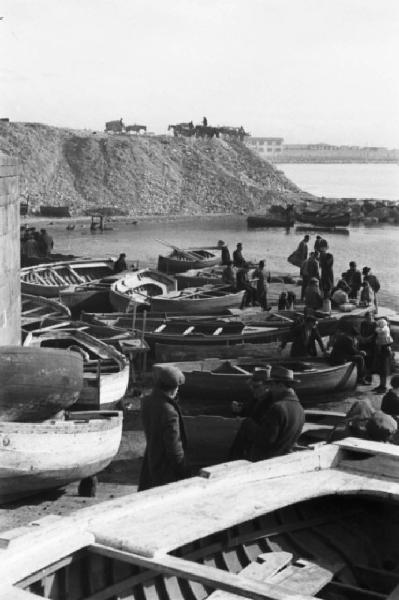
(261, 284)
(164, 457)
(229, 275)
(120, 265)
(225, 257)
(238, 258)
(313, 298)
(275, 419)
(390, 400)
(243, 283)
(353, 277)
(345, 349)
(304, 338)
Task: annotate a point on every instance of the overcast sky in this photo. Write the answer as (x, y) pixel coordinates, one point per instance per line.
(305, 70)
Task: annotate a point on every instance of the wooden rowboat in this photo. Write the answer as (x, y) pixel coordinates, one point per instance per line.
(35, 309)
(197, 301)
(138, 288)
(179, 261)
(215, 383)
(49, 279)
(105, 370)
(36, 383)
(42, 456)
(321, 523)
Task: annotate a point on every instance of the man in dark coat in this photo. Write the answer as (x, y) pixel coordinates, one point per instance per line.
(326, 261)
(243, 283)
(225, 255)
(238, 258)
(46, 242)
(164, 457)
(375, 285)
(353, 277)
(345, 349)
(304, 338)
(275, 419)
(261, 284)
(120, 265)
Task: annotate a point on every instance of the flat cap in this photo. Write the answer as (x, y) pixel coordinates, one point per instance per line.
(168, 376)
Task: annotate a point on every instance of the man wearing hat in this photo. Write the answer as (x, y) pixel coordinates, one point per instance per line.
(238, 258)
(164, 457)
(354, 279)
(275, 419)
(305, 335)
(225, 257)
(345, 349)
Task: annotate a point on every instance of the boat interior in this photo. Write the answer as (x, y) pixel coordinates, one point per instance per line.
(333, 547)
(66, 274)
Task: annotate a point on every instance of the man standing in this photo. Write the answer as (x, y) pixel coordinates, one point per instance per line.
(164, 457)
(275, 417)
(225, 257)
(309, 270)
(373, 283)
(229, 276)
(302, 249)
(326, 260)
(47, 242)
(120, 265)
(243, 283)
(353, 278)
(261, 285)
(238, 258)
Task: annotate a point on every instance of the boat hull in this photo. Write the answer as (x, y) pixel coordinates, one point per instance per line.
(200, 306)
(168, 264)
(36, 383)
(137, 289)
(341, 220)
(43, 456)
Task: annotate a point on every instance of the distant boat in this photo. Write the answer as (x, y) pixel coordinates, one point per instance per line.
(324, 219)
(49, 279)
(138, 288)
(36, 383)
(183, 260)
(105, 370)
(35, 457)
(320, 523)
(212, 380)
(196, 301)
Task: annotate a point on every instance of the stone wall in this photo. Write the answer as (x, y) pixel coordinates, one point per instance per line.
(10, 295)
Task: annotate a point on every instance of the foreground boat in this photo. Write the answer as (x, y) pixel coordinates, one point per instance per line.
(213, 381)
(105, 370)
(138, 287)
(319, 523)
(40, 456)
(36, 383)
(183, 260)
(49, 279)
(197, 301)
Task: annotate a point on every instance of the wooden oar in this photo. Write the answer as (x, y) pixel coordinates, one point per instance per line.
(180, 250)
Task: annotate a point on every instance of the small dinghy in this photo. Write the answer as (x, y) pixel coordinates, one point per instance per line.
(321, 523)
(36, 383)
(204, 300)
(138, 288)
(41, 456)
(105, 370)
(182, 260)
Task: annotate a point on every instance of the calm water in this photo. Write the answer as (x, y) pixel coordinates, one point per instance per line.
(346, 180)
(375, 246)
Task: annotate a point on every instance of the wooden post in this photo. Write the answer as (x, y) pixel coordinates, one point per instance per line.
(144, 365)
(134, 317)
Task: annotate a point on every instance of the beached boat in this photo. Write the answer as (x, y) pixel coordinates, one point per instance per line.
(269, 221)
(321, 523)
(49, 279)
(196, 301)
(138, 287)
(213, 381)
(183, 260)
(105, 370)
(92, 297)
(40, 456)
(36, 383)
(35, 309)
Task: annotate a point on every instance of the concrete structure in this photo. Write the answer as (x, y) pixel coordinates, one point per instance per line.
(10, 294)
(267, 147)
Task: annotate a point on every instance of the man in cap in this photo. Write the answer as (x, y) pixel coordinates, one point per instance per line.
(225, 255)
(238, 258)
(164, 457)
(354, 279)
(305, 335)
(275, 418)
(372, 280)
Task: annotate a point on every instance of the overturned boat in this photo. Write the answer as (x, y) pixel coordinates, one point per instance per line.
(321, 523)
(41, 456)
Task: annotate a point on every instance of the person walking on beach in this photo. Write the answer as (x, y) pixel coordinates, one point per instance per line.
(261, 285)
(164, 458)
(238, 258)
(309, 270)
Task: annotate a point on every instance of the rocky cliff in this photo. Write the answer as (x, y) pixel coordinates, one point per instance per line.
(141, 174)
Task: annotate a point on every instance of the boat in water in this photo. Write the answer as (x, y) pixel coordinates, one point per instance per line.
(37, 383)
(137, 288)
(321, 523)
(183, 260)
(49, 279)
(105, 370)
(196, 301)
(215, 382)
(35, 457)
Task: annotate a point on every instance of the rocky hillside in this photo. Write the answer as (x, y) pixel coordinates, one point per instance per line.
(141, 174)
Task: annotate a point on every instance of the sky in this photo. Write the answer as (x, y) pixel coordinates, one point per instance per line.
(306, 70)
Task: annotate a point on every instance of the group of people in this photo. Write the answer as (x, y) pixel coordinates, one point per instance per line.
(35, 244)
(236, 275)
(316, 270)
